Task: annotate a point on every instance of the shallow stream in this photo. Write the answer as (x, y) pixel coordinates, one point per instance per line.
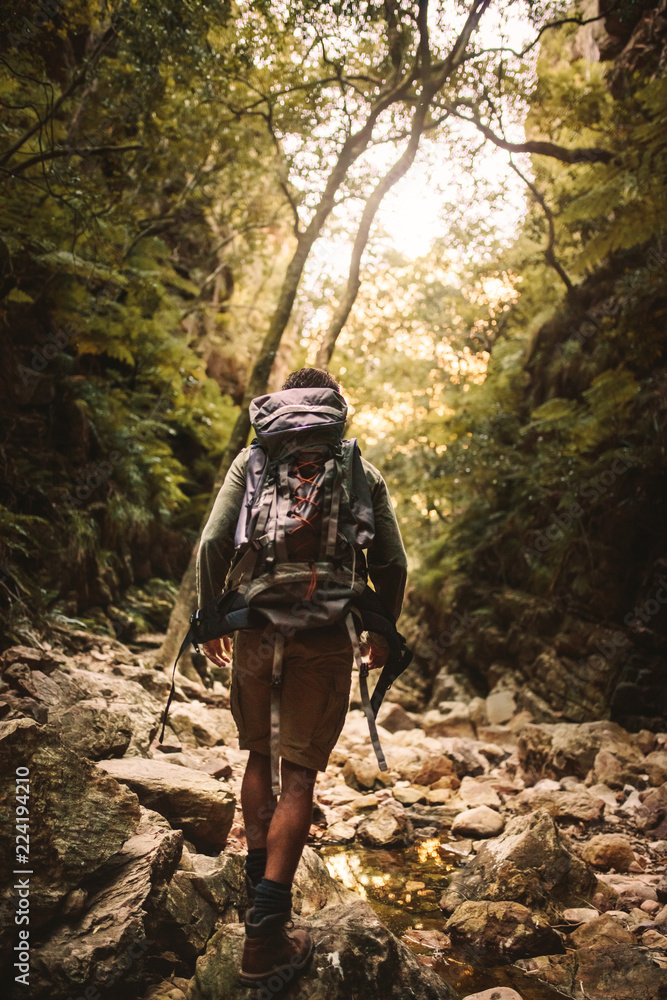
(404, 886)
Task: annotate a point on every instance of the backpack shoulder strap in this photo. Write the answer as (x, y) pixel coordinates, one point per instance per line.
(331, 534)
(361, 533)
(256, 470)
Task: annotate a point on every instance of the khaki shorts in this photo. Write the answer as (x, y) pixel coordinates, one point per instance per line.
(317, 672)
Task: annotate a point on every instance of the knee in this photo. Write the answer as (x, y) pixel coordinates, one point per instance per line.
(298, 780)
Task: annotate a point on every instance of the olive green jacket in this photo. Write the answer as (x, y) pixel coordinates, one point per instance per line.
(387, 562)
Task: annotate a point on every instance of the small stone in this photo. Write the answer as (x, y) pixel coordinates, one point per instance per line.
(497, 993)
(364, 802)
(654, 939)
(386, 828)
(634, 895)
(655, 766)
(604, 792)
(609, 850)
(650, 906)
(451, 718)
(500, 707)
(600, 932)
(412, 885)
(439, 795)
(579, 915)
(339, 833)
(394, 718)
(408, 796)
(644, 740)
(479, 822)
(478, 793)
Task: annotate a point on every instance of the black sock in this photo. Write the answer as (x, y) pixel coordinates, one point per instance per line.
(272, 897)
(255, 864)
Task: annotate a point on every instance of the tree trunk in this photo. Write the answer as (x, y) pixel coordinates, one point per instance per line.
(398, 170)
(355, 144)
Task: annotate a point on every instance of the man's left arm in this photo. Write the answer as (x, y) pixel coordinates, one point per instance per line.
(216, 547)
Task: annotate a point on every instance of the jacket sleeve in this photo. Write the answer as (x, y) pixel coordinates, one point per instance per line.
(216, 547)
(387, 561)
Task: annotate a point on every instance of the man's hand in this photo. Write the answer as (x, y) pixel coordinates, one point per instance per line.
(376, 648)
(218, 651)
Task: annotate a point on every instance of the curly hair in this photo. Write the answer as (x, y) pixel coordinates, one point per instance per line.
(311, 378)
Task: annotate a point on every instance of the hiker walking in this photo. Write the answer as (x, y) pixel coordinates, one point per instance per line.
(299, 524)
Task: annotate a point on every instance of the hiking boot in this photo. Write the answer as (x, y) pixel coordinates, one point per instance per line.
(273, 949)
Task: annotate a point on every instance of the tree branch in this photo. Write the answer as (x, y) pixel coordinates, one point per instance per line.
(545, 27)
(549, 253)
(541, 147)
(52, 154)
(69, 90)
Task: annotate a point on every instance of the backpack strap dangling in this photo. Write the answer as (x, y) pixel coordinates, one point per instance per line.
(276, 684)
(363, 686)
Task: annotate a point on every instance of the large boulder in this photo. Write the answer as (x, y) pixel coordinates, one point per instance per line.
(196, 724)
(192, 801)
(355, 956)
(502, 930)
(91, 709)
(203, 892)
(78, 819)
(93, 729)
(528, 864)
(555, 751)
(314, 888)
(602, 961)
(107, 932)
(578, 804)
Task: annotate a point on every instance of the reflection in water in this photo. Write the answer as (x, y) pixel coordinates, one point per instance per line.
(399, 884)
(404, 887)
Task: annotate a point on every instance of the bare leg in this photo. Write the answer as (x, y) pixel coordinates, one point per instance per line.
(283, 827)
(291, 821)
(256, 799)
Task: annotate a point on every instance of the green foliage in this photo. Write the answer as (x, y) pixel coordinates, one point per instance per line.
(560, 413)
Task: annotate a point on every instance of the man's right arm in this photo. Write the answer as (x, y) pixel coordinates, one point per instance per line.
(216, 547)
(387, 561)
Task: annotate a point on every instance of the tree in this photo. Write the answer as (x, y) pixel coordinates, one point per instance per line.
(402, 69)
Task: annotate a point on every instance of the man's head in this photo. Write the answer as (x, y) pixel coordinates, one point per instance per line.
(311, 378)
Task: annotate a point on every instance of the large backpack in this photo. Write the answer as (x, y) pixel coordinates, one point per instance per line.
(307, 514)
(306, 518)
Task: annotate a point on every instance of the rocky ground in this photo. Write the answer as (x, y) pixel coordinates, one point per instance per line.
(136, 852)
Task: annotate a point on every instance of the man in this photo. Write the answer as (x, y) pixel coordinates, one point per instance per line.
(317, 668)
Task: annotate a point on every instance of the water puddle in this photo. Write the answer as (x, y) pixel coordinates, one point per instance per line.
(404, 887)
